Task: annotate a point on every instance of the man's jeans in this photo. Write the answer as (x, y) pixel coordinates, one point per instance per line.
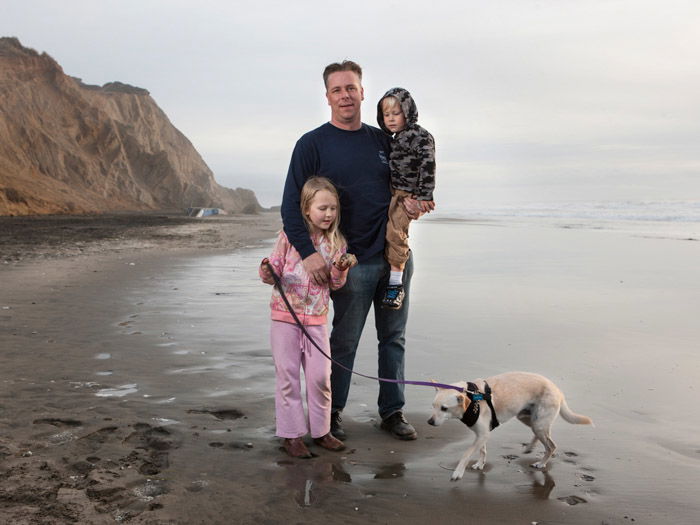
(365, 286)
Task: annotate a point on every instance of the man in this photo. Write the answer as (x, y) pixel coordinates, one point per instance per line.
(355, 157)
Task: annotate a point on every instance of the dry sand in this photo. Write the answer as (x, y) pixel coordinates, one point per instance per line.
(136, 383)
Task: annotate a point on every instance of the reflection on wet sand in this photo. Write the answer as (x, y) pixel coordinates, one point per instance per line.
(541, 487)
(306, 481)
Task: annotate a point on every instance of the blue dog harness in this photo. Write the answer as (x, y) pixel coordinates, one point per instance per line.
(471, 414)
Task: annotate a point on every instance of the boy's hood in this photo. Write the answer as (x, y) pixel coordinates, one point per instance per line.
(408, 106)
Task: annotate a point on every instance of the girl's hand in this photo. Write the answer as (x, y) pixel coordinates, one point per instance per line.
(265, 273)
(345, 262)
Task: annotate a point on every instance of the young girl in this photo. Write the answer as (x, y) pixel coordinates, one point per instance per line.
(291, 350)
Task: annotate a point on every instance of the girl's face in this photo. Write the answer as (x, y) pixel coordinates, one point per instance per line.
(323, 210)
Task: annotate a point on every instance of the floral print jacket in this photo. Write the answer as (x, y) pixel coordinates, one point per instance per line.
(309, 301)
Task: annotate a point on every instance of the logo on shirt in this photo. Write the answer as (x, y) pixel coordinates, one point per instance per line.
(382, 157)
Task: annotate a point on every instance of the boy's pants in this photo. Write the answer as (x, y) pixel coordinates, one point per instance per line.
(291, 351)
(396, 250)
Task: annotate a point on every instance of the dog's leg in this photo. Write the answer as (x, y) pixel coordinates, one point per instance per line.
(543, 434)
(531, 445)
(480, 441)
(479, 465)
(525, 417)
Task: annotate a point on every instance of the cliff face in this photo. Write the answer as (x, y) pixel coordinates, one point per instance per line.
(66, 147)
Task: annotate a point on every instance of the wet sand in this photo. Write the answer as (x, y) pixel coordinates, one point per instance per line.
(136, 384)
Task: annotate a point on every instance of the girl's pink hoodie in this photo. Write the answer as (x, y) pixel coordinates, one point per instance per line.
(309, 301)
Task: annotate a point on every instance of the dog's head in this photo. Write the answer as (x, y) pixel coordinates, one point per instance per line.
(448, 403)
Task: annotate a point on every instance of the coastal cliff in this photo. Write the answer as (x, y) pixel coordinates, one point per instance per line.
(70, 148)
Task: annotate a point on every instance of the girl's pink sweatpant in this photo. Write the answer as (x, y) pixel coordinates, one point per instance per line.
(292, 351)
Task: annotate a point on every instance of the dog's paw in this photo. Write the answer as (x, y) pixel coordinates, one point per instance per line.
(457, 474)
(538, 465)
(478, 466)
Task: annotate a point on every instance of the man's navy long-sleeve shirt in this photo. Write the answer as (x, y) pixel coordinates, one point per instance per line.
(357, 163)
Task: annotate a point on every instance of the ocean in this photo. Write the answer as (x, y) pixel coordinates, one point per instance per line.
(678, 219)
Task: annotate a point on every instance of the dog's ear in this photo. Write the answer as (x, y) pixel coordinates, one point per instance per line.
(436, 388)
(464, 400)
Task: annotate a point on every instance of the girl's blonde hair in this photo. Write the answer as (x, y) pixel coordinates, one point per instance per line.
(312, 186)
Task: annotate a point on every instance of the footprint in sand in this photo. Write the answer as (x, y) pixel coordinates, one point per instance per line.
(570, 457)
(223, 413)
(93, 441)
(57, 422)
(157, 441)
(573, 500)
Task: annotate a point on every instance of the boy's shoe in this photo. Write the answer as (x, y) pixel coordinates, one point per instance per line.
(393, 296)
(398, 427)
(330, 443)
(296, 448)
(336, 429)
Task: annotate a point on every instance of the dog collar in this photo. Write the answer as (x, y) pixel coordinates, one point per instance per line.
(471, 414)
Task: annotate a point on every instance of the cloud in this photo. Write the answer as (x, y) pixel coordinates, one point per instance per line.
(518, 92)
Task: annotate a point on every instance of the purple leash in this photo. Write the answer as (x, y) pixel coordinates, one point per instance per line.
(278, 284)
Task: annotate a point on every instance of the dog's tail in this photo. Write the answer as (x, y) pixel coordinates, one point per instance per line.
(572, 417)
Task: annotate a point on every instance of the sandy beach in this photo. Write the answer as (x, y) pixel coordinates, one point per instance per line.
(136, 383)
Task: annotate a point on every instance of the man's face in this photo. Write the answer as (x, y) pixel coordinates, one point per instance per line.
(345, 95)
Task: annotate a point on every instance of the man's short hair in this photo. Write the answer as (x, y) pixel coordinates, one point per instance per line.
(345, 65)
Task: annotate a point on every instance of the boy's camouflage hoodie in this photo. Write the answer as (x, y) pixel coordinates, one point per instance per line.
(412, 159)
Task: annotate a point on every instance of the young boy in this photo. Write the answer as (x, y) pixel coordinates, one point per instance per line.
(412, 163)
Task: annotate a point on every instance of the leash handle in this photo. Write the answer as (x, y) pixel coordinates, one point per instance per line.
(278, 285)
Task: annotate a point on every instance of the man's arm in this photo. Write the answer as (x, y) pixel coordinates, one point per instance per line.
(303, 164)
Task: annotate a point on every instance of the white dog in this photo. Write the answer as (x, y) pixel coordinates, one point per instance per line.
(532, 398)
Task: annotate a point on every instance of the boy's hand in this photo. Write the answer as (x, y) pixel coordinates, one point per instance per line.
(345, 262)
(426, 206)
(415, 208)
(265, 273)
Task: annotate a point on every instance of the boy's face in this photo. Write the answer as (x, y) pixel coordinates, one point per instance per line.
(394, 118)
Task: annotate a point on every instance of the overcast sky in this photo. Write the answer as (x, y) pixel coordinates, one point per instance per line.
(528, 100)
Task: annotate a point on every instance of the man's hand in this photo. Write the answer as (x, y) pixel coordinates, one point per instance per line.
(316, 267)
(415, 208)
